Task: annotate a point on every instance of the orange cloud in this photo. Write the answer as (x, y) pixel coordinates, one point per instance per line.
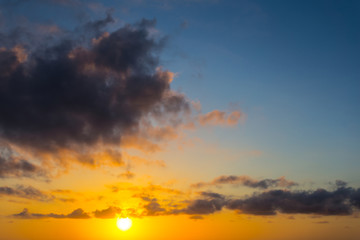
(222, 118)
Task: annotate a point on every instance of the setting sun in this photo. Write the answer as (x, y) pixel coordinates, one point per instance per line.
(124, 223)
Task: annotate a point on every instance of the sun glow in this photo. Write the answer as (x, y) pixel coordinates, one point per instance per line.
(124, 223)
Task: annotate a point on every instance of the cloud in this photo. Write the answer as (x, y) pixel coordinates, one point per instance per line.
(217, 117)
(28, 192)
(247, 181)
(66, 200)
(322, 202)
(342, 201)
(355, 198)
(61, 98)
(110, 212)
(213, 202)
(145, 190)
(127, 174)
(70, 94)
(12, 165)
(153, 208)
(76, 214)
(322, 222)
(86, 94)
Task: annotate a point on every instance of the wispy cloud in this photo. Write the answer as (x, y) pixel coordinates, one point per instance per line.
(76, 214)
(247, 181)
(12, 165)
(27, 192)
(217, 117)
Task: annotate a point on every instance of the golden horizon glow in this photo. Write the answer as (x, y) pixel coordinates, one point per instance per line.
(124, 224)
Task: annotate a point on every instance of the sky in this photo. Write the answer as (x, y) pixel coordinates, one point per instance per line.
(196, 119)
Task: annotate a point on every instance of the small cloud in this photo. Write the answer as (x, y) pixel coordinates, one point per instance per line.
(127, 174)
(66, 200)
(184, 24)
(217, 117)
(322, 222)
(110, 212)
(196, 217)
(153, 208)
(78, 213)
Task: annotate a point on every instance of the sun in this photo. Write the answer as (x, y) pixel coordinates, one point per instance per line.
(124, 223)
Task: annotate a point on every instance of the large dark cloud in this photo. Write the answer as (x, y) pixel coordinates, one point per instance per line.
(71, 93)
(341, 201)
(323, 202)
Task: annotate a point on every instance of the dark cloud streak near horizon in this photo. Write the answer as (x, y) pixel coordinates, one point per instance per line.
(341, 201)
(76, 214)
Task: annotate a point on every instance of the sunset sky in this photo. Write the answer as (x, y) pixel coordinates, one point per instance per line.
(196, 119)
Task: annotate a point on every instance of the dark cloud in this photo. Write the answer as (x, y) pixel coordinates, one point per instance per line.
(15, 166)
(109, 212)
(73, 93)
(76, 214)
(248, 182)
(322, 202)
(340, 183)
(26, 192)
(212, 203)
(212, 195)
(341, 201)
(11, 167)
(355, 198)
(153, 208)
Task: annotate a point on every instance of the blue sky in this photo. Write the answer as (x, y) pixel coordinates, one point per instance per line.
(292, 67)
